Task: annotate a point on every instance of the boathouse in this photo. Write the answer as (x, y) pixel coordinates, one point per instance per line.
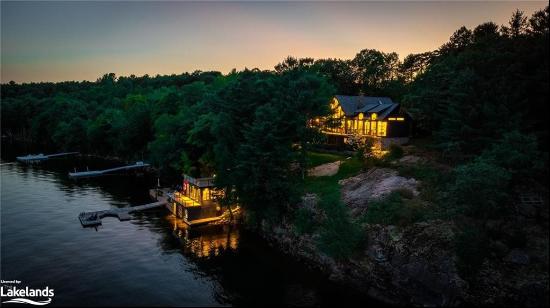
(197, 202)
(365, 117)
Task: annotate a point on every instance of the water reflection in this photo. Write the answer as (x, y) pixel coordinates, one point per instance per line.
(204, 241)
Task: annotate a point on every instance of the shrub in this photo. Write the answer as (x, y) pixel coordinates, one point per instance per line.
(480, 189)
(340, 237)
(518, 154)
(396, 152)
(422, 172)
(303, 221)
(516, 239)
(472, 247)
(395, 211)
(405, 193)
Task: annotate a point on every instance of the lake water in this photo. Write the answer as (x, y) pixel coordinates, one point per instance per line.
(149, 260)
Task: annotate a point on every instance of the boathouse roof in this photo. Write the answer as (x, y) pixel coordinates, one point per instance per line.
(200, 182)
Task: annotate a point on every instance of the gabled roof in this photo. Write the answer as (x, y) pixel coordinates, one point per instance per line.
(353, 105)
(386, 112)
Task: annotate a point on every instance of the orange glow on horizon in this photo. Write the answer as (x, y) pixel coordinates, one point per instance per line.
(59, 41)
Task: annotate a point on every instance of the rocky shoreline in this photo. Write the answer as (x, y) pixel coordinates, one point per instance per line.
(417, 264)
(392, 268)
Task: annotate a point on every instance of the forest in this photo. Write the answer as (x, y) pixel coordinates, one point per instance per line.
(481, 100)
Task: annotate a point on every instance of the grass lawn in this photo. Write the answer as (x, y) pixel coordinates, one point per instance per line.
(325, 186)
(315, 159)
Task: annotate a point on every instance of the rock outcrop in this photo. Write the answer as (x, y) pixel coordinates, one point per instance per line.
(416, 264)
(327, 169)
(375, 184)
(410, 266)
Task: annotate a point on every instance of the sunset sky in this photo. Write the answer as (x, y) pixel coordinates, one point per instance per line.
(55, 41)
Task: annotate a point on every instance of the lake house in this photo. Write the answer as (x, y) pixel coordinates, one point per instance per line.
(365, 117)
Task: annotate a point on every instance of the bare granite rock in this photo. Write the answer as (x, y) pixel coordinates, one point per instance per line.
(418, 261)
(373, 185)
(327, 169)
(411, 160)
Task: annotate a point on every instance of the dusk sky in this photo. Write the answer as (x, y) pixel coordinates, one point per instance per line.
(55, 41)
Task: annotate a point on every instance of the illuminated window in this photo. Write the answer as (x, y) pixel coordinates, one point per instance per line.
(367, 127)
(373, 116)
(206, 194)
(396, 119)
(382, 128)
(361, 116)
(373, 127)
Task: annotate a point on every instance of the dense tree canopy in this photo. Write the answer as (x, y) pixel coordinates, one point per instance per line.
(482, 93)
(485, 83)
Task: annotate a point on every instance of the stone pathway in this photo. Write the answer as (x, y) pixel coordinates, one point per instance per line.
(325, 169)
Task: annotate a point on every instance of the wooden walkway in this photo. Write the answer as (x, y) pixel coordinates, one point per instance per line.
(87, 174)
(203, 221)
(94, 218)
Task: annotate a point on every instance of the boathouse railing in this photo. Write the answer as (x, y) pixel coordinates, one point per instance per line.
(200, 182)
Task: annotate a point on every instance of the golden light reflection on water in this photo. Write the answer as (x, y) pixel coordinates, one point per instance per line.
(204, 241)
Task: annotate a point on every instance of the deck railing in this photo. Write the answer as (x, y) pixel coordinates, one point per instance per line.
(200, 182)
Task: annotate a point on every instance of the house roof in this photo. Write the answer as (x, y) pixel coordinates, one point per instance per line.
(353, 105)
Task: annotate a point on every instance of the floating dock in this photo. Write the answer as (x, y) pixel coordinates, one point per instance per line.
(88, 174)
(88, 219)
(41, 157)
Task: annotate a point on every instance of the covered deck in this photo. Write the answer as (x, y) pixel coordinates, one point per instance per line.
(184, 200)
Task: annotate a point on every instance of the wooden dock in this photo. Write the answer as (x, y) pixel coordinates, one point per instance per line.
(41, 157)
(87, 174)
(88, 219)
